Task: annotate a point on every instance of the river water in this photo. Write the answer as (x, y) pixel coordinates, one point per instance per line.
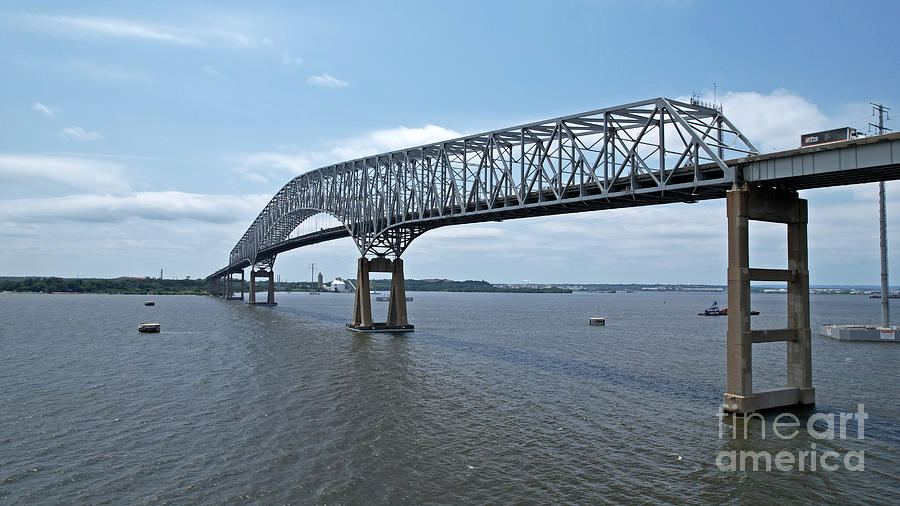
(495, 398)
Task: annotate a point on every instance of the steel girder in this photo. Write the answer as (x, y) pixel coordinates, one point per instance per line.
(653, 151)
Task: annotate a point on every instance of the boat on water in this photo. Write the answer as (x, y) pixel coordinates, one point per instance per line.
(715, 310)
(385, 298)
(148, 327)
(597, 320)
(150, 303)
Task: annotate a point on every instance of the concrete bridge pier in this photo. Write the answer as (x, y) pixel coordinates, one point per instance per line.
(397, 320)
(229, 287)
(778, 206)
(263, 272)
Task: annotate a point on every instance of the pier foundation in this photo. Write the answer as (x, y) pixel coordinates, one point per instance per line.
(397, 320)
(776, 206)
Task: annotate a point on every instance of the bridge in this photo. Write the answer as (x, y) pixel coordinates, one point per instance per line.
(651, 152)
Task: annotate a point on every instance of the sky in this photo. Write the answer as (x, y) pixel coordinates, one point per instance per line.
(144, 136)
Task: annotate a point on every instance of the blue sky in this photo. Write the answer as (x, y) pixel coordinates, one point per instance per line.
(137, 137)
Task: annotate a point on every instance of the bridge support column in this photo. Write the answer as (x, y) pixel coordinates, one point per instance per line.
(229, 287)
(397, 320)
(397, 303)
(362, 302)
(265, 271)
(777, 206)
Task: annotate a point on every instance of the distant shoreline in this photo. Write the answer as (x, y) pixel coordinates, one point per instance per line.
(157, 286)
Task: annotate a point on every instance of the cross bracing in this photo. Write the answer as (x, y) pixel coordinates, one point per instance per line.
(654, 151)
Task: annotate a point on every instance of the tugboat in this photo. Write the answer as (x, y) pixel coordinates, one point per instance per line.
(715, 310)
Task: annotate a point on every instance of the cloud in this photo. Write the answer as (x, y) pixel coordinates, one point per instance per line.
(116, 28)
(223, 33)
(211, 71)
(326, 81)
(289, 59)
(70, 172)
(160, 206)
(774, 121)
(77, 133)
(44, 109)
(274, 166)
(391, 139)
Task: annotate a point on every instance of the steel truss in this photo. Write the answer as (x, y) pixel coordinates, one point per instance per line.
(654, 151)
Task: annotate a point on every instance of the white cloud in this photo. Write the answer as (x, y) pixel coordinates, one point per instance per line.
(211, 71)
(117, 28)
(275, 166)
(70, 172)
(326, 81)
(44, 109)
(164, 206)
(289, 59)
(224, 32)
(773, 122)
(391, 139)
(77, 133)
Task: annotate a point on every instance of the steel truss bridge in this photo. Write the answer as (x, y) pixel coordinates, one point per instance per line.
(655, 151)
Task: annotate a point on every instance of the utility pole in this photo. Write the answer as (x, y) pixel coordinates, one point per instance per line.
(882, 224)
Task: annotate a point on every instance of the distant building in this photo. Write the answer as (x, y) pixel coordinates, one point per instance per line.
(338, 285)
(321, 284)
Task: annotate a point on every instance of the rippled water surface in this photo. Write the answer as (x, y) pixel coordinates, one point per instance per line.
(494, 398)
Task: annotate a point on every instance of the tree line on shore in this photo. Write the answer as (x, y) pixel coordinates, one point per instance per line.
(147, 286)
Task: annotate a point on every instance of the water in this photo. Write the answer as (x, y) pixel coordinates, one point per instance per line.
(495, 398)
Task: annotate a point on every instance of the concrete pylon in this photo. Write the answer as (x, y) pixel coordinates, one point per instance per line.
(252, 298)
(362, 303)
(397, 302)
(269, 274)
(242, 283)
(397, 320)
(777, 206)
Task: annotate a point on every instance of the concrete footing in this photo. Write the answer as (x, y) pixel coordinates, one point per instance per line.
(381, 327)
(397, 320)
(777, 206)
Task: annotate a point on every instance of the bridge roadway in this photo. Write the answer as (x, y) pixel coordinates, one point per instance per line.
(645, 153)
